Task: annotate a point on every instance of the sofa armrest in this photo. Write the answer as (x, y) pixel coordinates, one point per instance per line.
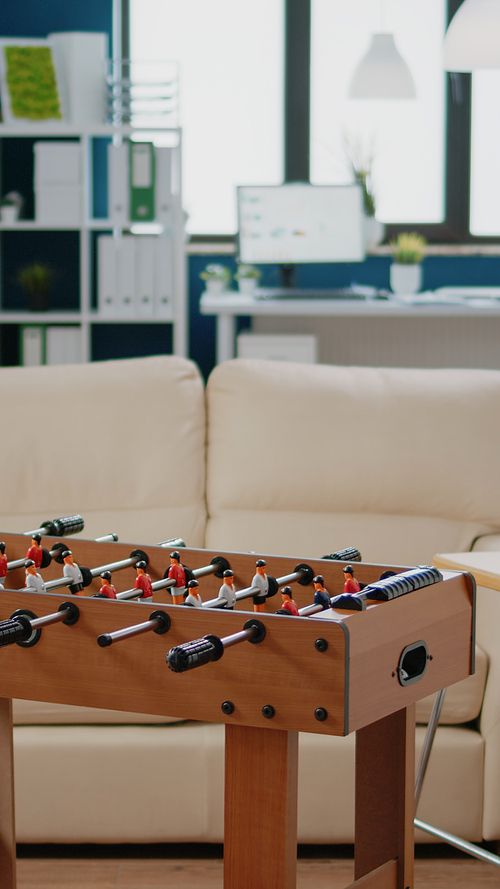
(486, 543)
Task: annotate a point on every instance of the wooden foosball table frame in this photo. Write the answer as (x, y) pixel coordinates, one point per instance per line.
(285, 684)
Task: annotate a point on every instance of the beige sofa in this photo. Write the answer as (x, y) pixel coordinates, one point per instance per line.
(291, 459)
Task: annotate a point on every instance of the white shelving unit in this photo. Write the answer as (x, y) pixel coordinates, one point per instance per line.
(86, 317)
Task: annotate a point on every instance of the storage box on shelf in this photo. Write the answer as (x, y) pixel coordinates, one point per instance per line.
(140, 273)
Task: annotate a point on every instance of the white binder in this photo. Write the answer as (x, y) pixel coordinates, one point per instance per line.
(32, 345)
(145, 276)
(106, 276)
(126, 276)
(164, 302)
(118, 184)
(163, 185)
(63, 345)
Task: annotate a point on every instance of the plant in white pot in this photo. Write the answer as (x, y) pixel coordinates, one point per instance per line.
(360, 162)
(247, 277)
(406, 270)
(216, 277)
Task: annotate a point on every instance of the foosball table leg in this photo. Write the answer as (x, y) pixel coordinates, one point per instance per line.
(7, 827)
(385, 806)
(260, 816)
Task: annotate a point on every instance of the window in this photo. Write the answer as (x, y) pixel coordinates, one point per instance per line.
(485, 151)
(404, 137)
(231, 95)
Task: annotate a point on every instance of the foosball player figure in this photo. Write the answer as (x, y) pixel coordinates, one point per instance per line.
(143, 582)
(321, 596)
(72, 571)
(227, 591)
(177, 573)
(193, 597)
(34, 580)
(3, 564)
(260, 580)
(107, 590)
(351, 585)
(287, 603)
(35, 551)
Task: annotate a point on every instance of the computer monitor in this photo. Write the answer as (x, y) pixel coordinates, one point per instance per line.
(296, 223)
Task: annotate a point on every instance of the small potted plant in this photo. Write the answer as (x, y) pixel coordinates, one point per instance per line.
(36, 280)
(216, 277)
(360, 162)
(406, 270)
(247, 277)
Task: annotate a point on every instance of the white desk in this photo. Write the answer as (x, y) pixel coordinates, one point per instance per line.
(229, 305)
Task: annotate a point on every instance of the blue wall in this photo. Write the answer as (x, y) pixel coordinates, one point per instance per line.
(37, 18)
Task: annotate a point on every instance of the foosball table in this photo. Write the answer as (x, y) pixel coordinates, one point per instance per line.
(358, 663)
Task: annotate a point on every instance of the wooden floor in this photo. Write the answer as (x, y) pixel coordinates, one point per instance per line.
(180, 873)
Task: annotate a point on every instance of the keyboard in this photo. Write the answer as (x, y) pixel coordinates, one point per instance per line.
(306, 293)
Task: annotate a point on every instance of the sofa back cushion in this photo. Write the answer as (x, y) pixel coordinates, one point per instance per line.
(121, 442)
(308, 459)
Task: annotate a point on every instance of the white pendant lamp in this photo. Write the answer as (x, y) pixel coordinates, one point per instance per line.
(473, 37)
(382, 73)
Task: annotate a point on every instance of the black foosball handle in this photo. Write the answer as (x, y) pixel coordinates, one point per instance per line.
(195, 653)
(210, 648)
(14, 629)
(350, 554)
(70, 524)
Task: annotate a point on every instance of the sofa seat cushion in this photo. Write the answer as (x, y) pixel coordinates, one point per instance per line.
(121, 442)
(306, 459)
(463, 700)
(41, 713)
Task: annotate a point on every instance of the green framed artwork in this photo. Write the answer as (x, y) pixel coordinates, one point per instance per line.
(31, 87)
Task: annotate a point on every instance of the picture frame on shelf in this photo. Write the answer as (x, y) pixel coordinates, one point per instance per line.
(32, 89)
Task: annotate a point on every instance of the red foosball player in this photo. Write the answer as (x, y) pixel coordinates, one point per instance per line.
(35, 551)
(107, 589)
(3, 564)
(33, 578)
(321, 596)
(260, 581)
(143, 582)
(72, 571)
(288, 604)
(351, 585)
(177, 573)
(227, 591)
(193, 597)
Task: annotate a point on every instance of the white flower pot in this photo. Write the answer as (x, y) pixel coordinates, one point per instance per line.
(405, 278)
(215, 286)
(247, 285)
(9, 215)
(374, 232)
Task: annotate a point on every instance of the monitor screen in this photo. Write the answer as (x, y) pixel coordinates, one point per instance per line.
(300, 223)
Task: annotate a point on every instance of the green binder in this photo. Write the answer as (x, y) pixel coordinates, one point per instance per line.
(142, 182)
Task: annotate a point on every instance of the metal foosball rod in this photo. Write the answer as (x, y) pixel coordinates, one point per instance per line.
(159, 622)
(209, 648)
(217, 566)
(88, 574)
(302, 574)
(24, 627)
(55, 552)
